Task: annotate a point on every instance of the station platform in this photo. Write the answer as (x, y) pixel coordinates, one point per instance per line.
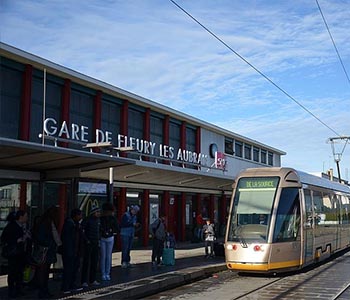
(141, 279)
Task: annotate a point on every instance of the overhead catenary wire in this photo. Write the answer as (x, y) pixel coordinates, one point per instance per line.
(253, 67)
(335, 47)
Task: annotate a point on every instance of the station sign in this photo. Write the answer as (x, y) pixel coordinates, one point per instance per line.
(81, 133)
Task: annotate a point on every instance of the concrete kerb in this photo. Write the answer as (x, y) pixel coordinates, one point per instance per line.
(151, 285)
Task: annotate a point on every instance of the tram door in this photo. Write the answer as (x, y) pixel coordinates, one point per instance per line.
(308, 228)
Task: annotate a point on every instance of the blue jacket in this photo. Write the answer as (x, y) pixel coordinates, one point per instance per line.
(127, 224)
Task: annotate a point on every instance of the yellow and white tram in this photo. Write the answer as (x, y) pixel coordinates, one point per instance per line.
(281, 219)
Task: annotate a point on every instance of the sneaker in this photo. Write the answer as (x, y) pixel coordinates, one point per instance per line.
(124, 265)
(129, 265)
(95, 283)
(160, 264)
(108, 278)
(85, 285)
(104, 278)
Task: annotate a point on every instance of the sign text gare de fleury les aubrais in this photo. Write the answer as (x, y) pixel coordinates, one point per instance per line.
(80, 133)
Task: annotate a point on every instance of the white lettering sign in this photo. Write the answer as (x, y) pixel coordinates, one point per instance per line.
(81, 133)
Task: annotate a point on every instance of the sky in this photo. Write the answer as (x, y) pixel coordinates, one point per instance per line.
(155, 50)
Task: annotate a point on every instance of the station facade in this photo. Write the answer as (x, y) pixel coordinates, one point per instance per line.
(70, 140)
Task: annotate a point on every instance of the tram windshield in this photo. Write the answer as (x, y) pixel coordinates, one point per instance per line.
(253, 201)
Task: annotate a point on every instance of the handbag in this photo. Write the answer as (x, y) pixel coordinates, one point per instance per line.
(39, 254)
(9, 250)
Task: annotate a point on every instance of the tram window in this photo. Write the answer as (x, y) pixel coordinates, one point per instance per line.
(288, 216)
(345, 204)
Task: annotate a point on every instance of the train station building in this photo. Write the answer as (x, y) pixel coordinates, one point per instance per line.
(70, 140)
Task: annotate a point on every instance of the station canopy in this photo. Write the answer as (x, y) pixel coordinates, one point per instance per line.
(46, 162)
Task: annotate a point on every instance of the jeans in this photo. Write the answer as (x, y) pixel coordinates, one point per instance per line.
(126, 247)
(106, 256)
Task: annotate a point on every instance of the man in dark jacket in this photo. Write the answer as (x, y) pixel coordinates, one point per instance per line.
(71, 237)
(91, 229)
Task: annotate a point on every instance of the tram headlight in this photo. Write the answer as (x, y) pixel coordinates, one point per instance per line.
(258, 248)
(231, 247)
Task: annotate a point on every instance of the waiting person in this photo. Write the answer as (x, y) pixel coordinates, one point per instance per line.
(72, 238)
(199, 227)
(15, 237)
(209, 238)
(108, 229)
(45, 234)
(127, 232)
(158, 231)
(91, 229)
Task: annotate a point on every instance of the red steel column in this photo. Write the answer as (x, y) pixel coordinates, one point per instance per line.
(26, 103)
(147, 128)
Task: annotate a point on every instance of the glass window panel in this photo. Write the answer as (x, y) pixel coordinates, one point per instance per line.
(110, 119)
(270, 158)
(52, 105)
(81, 114)
(247, 151)
(238, 149)
(10, 93)
(229, 146)
(256, 152)
(263, 156)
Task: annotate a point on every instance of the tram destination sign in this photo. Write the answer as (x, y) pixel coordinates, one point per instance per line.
(258, 183)
(81, 133)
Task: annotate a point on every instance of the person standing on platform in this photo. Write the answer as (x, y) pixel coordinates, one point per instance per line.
(109, 229)
(72, 238)
(45, 234)
(127, 232)
(199, 229)
(91, 229)
(209, 238)
(15, 237)
(158, 231)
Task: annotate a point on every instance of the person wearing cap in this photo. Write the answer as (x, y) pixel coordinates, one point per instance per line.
(91, 229)
(127, 232)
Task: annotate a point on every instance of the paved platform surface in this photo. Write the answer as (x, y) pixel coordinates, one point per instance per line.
(141, 279)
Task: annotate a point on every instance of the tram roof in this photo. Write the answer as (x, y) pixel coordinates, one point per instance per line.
(304, 178)
(322, 182)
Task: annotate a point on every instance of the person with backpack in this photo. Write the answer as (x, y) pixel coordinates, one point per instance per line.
(109, 228)
(158, 231)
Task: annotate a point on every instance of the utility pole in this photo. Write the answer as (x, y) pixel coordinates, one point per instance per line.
(336, 153)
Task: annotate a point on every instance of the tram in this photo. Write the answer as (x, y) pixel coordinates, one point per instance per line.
(281, 219)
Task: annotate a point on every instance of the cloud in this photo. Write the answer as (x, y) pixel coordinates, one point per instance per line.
(153, 49)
